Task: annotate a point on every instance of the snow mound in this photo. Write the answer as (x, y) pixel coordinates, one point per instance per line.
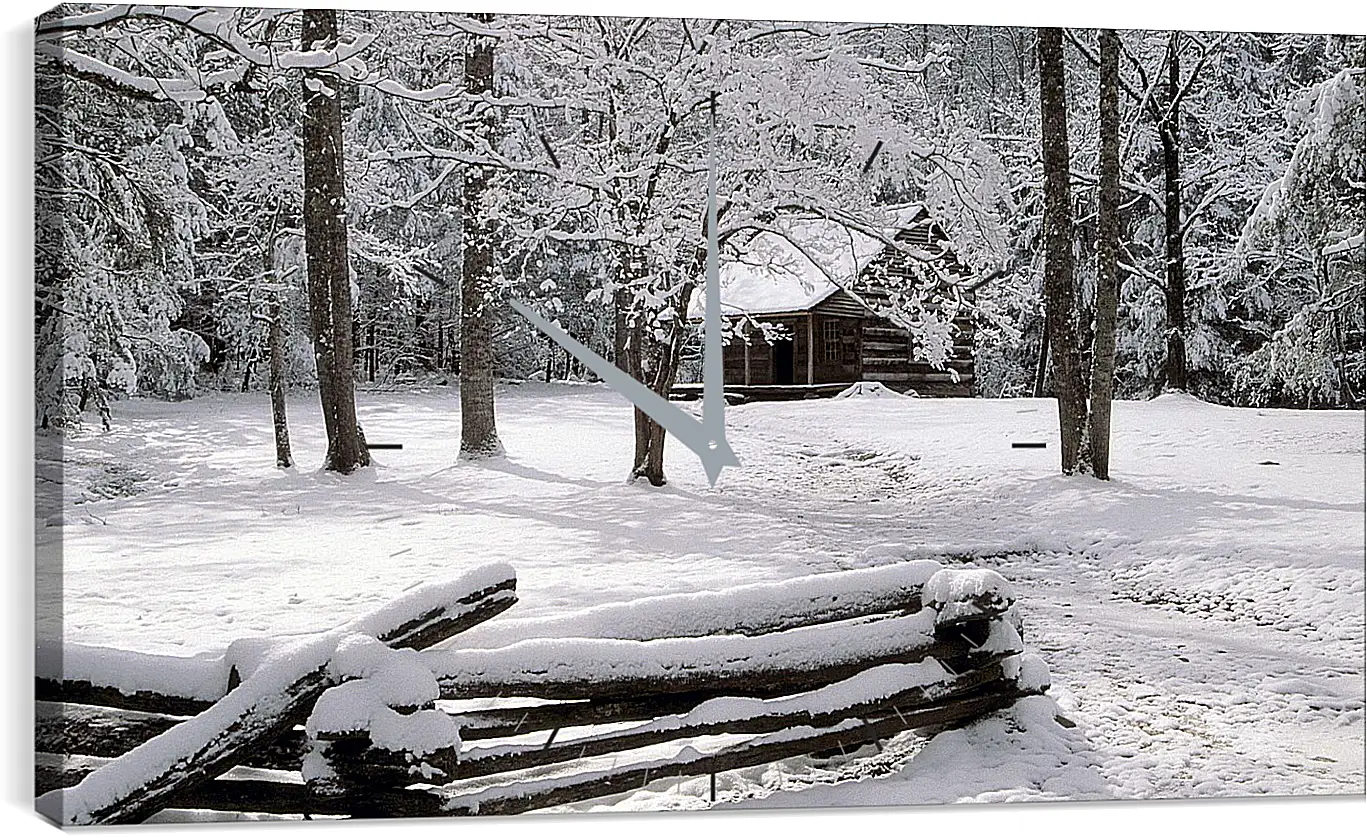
(398, 675)
(1028, 671)
(383, 679)
(1175, 398)
(357, 707)
(868, 390)
(1020, 753)
(962, 593)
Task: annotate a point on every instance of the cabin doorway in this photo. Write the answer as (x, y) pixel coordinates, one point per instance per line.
(783, 361)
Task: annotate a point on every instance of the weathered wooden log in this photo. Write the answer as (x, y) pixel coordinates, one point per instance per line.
(266, 797)
(109, 732)
(523, 796)
(84, 692)
(94, 731)
(268, 704)
(287, 753)
(254, 795)
(128, 730)
(501, 722)
(512, 721)
(754, 609)
(358, 765)
(818, 708)
(772, 664)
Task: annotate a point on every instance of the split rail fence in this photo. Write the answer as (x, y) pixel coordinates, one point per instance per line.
(359, 721)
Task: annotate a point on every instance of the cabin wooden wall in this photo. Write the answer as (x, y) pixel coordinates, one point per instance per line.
(762, 354)
(889, 358)
(870, 349)
(848, 335)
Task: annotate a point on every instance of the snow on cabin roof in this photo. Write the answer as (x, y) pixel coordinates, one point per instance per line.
(796, 269)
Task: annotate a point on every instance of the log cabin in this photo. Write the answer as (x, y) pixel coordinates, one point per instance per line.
(833, 293)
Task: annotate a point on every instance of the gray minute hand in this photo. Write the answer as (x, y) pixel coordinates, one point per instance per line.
(714, 452)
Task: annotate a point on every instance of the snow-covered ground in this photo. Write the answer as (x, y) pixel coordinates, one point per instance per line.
(1202, 613)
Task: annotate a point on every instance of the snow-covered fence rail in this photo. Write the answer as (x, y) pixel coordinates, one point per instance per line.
(764, 665)
(829, 661)
(757, 608)
(269, 702)
(183, 686)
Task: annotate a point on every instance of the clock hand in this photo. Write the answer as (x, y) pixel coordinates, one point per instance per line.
(711, 448)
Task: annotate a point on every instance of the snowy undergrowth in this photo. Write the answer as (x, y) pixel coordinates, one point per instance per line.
(1201, 613)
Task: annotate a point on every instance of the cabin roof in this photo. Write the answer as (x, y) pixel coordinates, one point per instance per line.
(797, 269)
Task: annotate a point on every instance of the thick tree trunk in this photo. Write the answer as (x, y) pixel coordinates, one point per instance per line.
(621, 329)
(1175, 287)
(283, 456)
(656, 365)
(1107, 256)
(651, 466)
(325, 241)
(1060, 292)
(650, 435)
(478, 434)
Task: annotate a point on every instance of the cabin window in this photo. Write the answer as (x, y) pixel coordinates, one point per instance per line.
(830, 340)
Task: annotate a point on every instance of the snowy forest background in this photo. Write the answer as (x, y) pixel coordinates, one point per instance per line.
(173, 146)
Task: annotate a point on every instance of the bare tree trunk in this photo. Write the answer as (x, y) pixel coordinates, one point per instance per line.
(478, 434)
(284, 458)
(1175, 280)
(1060, 292)
(621, 330)
(650, 435)
(656, 364)
(1107, 256)
(1042, 365)
(251, 363)
(371, 359)
(637, 367)
(453, 324)
(325, 241)
(441, 343)
(653, 467)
